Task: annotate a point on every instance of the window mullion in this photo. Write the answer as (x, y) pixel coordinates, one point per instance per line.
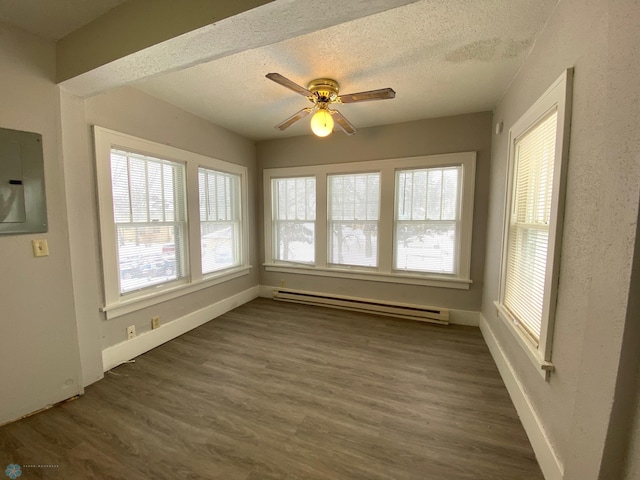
(129, 187)
(322, 229)
(386, 214)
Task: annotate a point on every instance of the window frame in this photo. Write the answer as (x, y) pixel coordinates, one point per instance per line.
(398, 221)
(557, 96)
(116, 304)
(384, 272)
(331, 222)
(180, 218)
(278, 221)
(236, 213)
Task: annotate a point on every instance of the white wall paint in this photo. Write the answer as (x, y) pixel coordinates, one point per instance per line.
(460, 133)
(39, 359)
(599, 230)
(83, 233)
(130, 111)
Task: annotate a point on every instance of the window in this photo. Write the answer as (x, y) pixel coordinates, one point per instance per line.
(220, 214)
(158, 242)
(406, 220)
(427, 216)
(354, 204)
(533, 222)
(294, 214)
(149, 212)
(528, 231)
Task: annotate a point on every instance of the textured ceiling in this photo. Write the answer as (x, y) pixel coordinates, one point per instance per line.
(442, 57)
(53, 19)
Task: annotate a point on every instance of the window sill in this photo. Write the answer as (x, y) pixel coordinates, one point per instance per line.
(543, 366)
(425, 280)
(133, 304)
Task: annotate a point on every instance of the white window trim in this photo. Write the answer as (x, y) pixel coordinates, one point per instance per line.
(238, 225)
(384, 272)
(117, 304)
(557, 95)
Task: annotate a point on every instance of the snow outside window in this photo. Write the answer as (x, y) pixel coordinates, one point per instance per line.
(427, 220)
(354, 208)
(294, 215)
(402, 220)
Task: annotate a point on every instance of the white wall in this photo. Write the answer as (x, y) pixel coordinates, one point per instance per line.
(575, 406)
(461, 133)
(83, 233)
(130, 111)
(39, 360)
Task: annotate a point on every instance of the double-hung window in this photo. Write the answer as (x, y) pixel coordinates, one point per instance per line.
(404, 220)
(294, 215)
(533, 222)
(427, 219)
(354, 205)
(149, 209)
(171, 221)
(220, 219)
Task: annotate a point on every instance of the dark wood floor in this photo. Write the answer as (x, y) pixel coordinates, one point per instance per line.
(283, 391)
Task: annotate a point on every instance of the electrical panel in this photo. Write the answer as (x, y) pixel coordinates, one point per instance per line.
(23, 207)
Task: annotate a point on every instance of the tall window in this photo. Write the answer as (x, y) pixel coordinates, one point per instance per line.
(426, 220)
(294, 215)
(220, 214)
(528, 232)
(538, 149)
(150, 219)
(354, 207)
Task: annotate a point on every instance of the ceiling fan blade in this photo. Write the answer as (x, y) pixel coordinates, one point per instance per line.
(294, 118)
(285, 82)
(343, 122)
(381, 94)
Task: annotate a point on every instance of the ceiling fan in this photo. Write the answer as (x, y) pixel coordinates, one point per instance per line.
(323, 92)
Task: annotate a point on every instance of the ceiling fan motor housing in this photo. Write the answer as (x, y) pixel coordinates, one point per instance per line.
(325, 88)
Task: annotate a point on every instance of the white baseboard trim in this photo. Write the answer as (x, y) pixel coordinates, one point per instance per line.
(456, 317)
(129, 349)
(550, 465)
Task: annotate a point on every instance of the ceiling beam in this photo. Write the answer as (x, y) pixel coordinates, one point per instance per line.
(136, 25)
(144, 38)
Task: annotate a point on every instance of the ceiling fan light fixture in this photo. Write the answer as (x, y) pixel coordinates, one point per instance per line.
(322, 123)
(323, 92)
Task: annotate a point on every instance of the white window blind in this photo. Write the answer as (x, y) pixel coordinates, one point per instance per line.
(427, 220)
(294, 216)
(353, 211)
(528, 233)
(220, 219)
(150, 219)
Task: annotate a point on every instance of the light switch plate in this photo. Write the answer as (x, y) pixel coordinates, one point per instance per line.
(40, 247)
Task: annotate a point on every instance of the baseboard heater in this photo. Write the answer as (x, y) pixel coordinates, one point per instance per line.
(395, 309)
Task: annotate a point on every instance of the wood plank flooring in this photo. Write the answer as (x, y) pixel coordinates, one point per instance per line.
(282, 391)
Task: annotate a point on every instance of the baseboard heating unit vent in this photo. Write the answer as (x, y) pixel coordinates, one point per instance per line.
(395, 309)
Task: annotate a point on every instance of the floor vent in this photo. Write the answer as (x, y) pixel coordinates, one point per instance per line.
(402, 310)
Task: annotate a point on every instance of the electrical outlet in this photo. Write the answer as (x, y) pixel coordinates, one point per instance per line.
(131, 332)
(155, 322)
(282, 284)
(40, 248)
